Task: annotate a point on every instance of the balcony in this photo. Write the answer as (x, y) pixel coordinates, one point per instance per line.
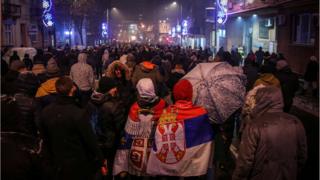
(11, 11)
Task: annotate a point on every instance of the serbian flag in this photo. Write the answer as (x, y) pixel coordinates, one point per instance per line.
(183, 143)
(136, 143)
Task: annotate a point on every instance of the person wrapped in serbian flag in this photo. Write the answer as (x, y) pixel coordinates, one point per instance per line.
(183, 138)
(136, 143)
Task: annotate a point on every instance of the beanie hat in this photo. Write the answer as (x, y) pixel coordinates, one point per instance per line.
(145, 88)
(17, 65)
(52, 68)
(182, 90)
(281, 64)
(105, 84)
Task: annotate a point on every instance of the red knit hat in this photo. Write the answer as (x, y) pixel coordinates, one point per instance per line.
(182, 90)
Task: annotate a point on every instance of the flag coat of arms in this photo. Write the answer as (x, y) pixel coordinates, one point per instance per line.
(183, 142)
(136, 143)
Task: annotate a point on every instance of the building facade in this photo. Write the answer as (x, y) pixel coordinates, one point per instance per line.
(290, 27)
(21, 24)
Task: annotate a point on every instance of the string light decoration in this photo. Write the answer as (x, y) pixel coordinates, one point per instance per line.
(47, 17)
(222, 13)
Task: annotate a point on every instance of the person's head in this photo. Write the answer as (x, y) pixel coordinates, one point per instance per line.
(281, 65)
(268, 98)
(119, 72)
(182, 90)
(82, 58)
(107, 86)
(218, 57)
(17, 66)
(52, 68)
(15, 53)
(65, 86)
(260, 48)
(146, 89)
(26, 55)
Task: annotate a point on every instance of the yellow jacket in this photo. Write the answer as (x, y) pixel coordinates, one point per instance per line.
(47, 87)
(268, 80)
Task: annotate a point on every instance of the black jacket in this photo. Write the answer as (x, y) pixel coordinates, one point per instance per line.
(289, 85)
(69, 139)
(112, 117)
(19, 146)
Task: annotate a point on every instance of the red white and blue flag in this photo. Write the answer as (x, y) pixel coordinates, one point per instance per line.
(183, 143)
(136, 143)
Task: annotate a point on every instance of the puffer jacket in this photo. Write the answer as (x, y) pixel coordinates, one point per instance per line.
(273, 144)
(47, 93)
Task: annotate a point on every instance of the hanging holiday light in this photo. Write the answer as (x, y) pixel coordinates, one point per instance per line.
(222, 13)
(47, 17)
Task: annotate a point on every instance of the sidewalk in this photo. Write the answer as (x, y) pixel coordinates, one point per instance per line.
(307, 103)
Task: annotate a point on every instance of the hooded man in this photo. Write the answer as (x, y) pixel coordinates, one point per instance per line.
(139, 129)
(147, 69)
(82, 74)
(273, 144)
(108, 117)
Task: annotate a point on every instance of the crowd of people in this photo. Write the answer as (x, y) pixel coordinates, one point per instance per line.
(102, 113)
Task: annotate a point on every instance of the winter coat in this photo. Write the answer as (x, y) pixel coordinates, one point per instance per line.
(69, 140)
(312, 71)
(259, 54)
(112, 116)
(124, 84)
(174, 77)
(146, 70)
(20, 159)
(267, 79)
(47, 93)
(149, 70)
(82, 74)
(273, 144)
(27, 108)
(19, 145)
(8, 81)
(111, 120)
(289, 85)
(14, 57)
(28, 63)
